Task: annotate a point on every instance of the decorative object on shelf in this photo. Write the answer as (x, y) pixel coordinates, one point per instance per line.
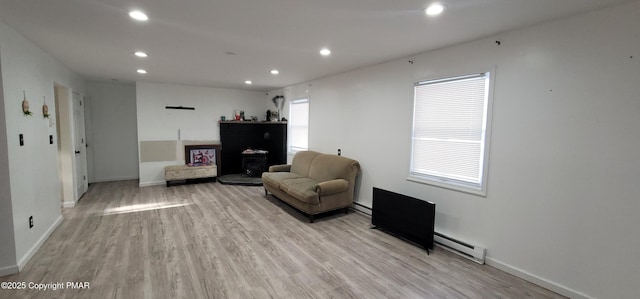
(274, 116)
(25, 104)
(239, 114)
(45, 108)
(279, 102)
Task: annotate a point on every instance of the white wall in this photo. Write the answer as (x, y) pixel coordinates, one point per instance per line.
(563, 196)
(113, 142)
(155, 123)
(34, 183)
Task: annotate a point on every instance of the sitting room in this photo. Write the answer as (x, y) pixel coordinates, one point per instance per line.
(242, 149)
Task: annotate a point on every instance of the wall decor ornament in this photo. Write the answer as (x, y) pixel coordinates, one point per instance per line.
(25, 104)
(279, 102)
(45, 108)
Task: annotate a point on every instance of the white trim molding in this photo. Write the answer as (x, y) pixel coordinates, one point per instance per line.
(545, 283)
(149, 184)
(25, 259)
(9, 270)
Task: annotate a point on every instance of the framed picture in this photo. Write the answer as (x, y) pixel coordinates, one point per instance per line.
(202, 154)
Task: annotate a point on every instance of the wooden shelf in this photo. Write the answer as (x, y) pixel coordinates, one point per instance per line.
(248, 122)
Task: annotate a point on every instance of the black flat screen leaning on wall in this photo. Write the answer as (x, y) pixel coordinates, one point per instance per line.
(404, 216)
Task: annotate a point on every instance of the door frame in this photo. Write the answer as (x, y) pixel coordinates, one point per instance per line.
(65, 143)
(79, 144)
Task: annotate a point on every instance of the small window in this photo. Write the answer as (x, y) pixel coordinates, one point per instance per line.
(450, 132)
(298, 125)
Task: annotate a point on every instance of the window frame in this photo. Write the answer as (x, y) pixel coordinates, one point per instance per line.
(290, 149)
(447, 182)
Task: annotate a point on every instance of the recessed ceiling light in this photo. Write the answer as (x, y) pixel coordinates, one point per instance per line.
(275, 72)
(141, 71)
(248, 82)
(140, 54)
(138, 15)
(325, 52)
(434, 9)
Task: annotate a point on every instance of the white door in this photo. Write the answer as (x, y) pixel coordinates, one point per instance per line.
(79, 145)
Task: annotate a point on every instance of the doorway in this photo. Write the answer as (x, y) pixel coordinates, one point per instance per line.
(80, 148)
(72, 157)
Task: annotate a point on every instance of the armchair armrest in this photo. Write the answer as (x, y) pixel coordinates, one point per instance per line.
(280, 168)
(332, 187)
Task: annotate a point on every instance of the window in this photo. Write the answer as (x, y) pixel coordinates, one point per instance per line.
(298, 125)
(450, 132)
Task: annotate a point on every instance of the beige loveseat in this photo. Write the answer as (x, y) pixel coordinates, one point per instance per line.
(314, 183)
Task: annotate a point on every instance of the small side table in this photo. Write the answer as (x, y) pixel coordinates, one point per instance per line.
(254, 162)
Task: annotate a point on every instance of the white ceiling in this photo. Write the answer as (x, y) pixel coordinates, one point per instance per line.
(190, 41)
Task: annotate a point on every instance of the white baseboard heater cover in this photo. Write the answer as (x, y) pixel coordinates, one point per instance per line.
(472, 252)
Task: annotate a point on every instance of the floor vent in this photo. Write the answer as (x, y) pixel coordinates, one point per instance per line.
(472, 252)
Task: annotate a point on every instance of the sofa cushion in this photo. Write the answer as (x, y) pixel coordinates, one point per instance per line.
(275, 178)
(302, 161)
(329, 167)
(304, 189)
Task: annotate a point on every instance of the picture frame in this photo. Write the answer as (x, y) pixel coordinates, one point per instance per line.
(202, 154)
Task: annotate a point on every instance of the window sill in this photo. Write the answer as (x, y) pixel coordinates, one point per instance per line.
(448, 185)
(293, 152)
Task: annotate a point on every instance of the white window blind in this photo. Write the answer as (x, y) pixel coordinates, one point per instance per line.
(298, 125)
(449, 130)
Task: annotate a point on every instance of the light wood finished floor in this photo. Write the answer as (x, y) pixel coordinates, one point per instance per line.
(218, 241)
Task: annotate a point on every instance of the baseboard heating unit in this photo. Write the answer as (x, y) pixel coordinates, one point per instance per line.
(472, 252)
(405, 217)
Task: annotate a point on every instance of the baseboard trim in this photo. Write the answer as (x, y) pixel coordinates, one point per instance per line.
(103, 180)
(68, 204)
(148, 184)
(361, 208)
(9, 270)
(545, 283)
(25, 259)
